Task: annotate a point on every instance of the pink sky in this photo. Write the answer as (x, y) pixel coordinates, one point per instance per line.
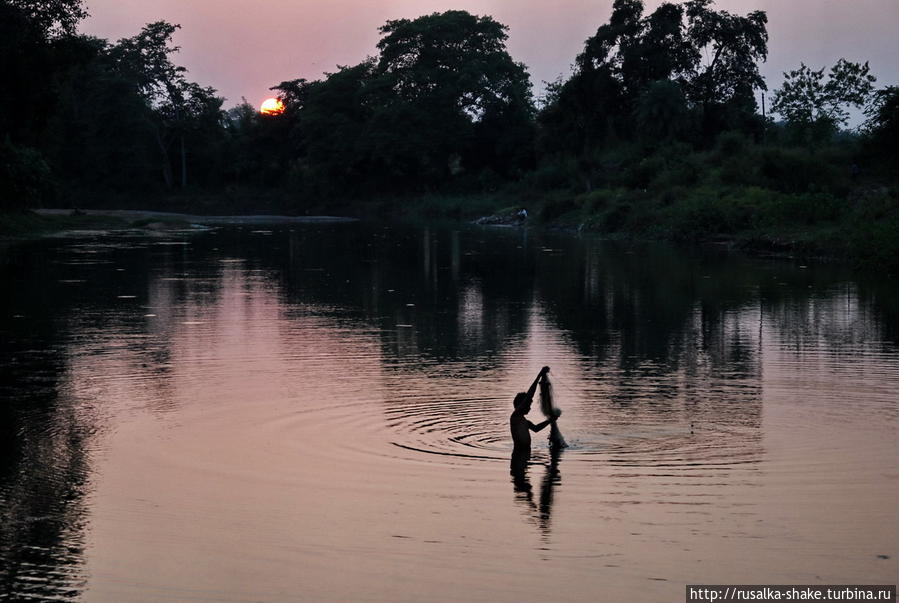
(243, 48)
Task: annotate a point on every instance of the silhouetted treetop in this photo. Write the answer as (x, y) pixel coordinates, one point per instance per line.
(643, 74)
(814, 105)
(53, 17)
(451, 57)
(735, 45)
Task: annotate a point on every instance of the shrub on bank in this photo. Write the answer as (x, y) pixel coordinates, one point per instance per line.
(702, 214)
(793, 170)
(25, 178)
(876, 244)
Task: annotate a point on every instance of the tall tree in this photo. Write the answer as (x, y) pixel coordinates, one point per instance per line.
(817, 104)
(438, 77)
(178, 105)
(591, 107)
(443, 97)
(882, 125)
(735, 45)
(661, 111)
(638, 68)
(53, 17)
(664, 50)
(331, 119)
(33, 58)
(100, 136)
(454, 58)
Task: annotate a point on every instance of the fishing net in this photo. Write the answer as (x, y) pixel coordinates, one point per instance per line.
(549, 408)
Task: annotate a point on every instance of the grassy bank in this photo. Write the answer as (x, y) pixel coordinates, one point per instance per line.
(23, 224)
(862, 227)
(829, 202)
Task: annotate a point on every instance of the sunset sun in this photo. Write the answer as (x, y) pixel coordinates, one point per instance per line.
(271, 106)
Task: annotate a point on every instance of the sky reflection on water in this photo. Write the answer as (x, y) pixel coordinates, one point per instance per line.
(324, 409)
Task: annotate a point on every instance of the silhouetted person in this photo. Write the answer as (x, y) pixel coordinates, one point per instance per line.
(521, 428)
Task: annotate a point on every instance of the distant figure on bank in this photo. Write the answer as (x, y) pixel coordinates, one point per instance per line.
(520, 426)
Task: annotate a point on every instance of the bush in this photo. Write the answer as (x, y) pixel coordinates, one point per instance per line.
(553, 209)
(641, 173)
(25, 178)
(877, 203)
(707, 212)
(554, 174)
(615, 218)
(684, 172)
(597, 200)
(795, 171)
(796, 210)
(739, 171)
(876, 244)
(730, 144)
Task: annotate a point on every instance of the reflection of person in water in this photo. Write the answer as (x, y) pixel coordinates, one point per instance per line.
(539, 512)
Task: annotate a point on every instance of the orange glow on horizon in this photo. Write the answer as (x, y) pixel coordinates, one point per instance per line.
(272, 106)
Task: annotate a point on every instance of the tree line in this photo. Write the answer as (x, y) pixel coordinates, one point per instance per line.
(655, 101)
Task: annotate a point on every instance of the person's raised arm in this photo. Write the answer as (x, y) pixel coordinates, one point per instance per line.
(540, 376)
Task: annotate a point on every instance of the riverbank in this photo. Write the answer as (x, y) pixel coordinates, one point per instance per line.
(43, 222)
(861, 228)
(28, 224)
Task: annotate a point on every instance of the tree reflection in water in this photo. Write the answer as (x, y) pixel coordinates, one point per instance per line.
(652, 341)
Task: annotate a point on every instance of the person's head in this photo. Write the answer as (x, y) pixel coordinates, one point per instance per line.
(522, 403)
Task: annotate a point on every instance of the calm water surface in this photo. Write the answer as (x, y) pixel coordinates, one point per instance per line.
(321, 412)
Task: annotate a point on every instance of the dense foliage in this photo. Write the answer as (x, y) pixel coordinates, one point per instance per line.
(95, 116)
(656, 131)
(443, 104)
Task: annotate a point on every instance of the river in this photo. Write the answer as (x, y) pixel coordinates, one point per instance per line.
(320, 412)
